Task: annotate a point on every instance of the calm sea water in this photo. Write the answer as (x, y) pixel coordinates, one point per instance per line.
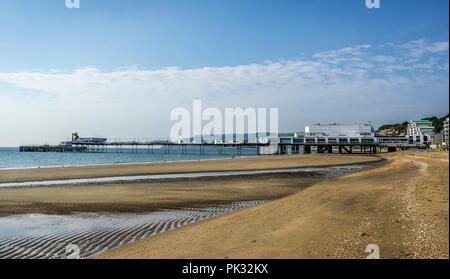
(10, 157)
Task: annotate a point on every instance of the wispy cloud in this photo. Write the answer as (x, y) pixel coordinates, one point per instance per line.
(352, 84)
(384, 59)
(355, 50)
(420, 47)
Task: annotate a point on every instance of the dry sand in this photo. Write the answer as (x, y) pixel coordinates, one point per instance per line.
(402, 207)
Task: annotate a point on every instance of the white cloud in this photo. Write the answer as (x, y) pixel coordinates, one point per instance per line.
(438, 47)
(352, 84)
(420, 47)
(354, 50)
(384, 59)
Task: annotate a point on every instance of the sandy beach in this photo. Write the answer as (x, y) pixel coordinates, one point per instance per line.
(402, 207)
(165, 193)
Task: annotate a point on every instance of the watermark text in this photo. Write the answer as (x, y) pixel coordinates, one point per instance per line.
(238, 123)
(71, 4)
(370, 4)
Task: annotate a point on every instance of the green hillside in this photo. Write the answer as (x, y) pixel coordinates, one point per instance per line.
(401, 129)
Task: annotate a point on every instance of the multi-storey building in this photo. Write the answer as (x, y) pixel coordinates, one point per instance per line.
(420, 131)
(445, 132)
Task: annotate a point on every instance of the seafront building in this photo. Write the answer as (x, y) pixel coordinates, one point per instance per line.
(437, 139)
(420, 127)
(344, 137)
(327, 136)
(445, 133)
(420, 131)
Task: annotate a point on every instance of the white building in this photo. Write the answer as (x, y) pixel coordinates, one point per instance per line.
(413, 129)
(340, 130)
(445, 132)
(420, 131)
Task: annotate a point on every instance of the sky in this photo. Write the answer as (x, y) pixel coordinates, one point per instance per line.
(116, 68)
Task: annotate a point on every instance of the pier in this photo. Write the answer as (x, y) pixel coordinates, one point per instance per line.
(274, 146)
(148, 146)
(319, 138)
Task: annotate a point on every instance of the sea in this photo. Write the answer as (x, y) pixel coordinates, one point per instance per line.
(11, 158)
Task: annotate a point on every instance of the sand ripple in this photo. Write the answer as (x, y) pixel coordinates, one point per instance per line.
(40, 236)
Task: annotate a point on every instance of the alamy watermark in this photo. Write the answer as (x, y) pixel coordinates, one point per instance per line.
(231, 128)
(374, 251)
(72, 251)
(70, 4)
(370, 4)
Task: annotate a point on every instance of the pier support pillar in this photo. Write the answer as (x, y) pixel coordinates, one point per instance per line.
(307, 149)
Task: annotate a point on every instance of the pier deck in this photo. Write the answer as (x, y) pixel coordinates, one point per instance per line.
(166, 147)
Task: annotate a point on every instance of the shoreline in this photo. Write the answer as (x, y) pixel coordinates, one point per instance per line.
(252, 163)
(147, 196)
(175, 176)
(133, 196)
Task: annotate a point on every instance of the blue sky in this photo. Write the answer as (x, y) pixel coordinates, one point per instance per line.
(43, 34)
(140, 59)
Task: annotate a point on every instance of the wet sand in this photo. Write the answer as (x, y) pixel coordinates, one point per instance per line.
(165, 193)
(241, 164)
(43, 236)
(403, 207)
(152, 195)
